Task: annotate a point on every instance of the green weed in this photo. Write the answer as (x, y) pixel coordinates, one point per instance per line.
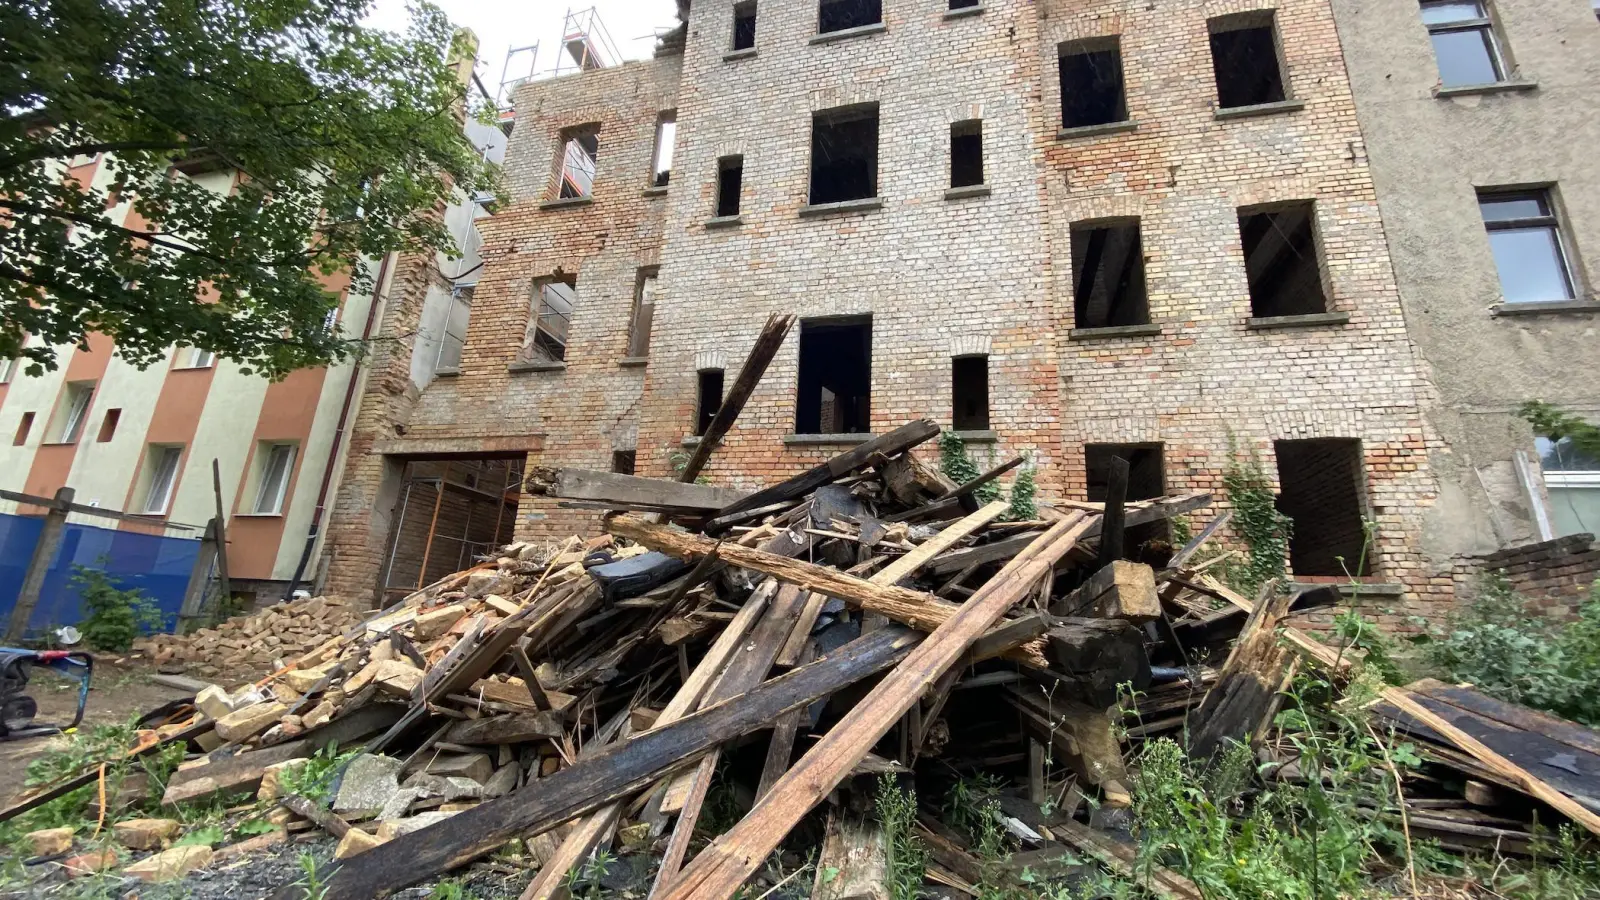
(113, 616)
(1256, 521)
(959, 467)
(313, 778)
(907, 857)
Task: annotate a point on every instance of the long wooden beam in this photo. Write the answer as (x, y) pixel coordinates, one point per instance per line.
(755, 365)
(897, 441)
(593, 782)
(721, 869)
(629, 491)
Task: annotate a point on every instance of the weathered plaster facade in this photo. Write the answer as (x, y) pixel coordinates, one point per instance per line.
(1431, 151)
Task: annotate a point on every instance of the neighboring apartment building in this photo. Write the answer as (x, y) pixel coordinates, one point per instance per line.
(144, 441)
(1480, 121)
(1077, 230)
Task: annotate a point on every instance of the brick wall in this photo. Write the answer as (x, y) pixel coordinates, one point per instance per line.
(1555, 576)
(988, 274)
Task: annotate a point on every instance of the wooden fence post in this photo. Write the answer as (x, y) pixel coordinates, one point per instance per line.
(44, 553)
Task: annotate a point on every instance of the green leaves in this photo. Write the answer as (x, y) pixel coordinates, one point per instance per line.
(113, 617)
(1256, 520)
(306, 147)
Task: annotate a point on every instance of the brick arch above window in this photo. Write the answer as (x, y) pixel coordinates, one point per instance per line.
(711, 360)
(970, 345)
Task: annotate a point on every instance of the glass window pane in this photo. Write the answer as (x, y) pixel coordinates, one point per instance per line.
(1503, 207)
(1574, 510)
(1451, 11)
(1465, 57)
(1529, 261)
(1562, 456)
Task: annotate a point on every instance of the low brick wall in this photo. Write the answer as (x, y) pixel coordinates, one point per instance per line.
(1554, 575)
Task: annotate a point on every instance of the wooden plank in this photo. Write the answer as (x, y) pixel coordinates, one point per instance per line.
(854, 861)
(723, 866)
(630, 491)
(1121, 590)
(1509, 714)
(907, 565)
(1155, 511)
(593, 782)
(1188, 550)
(755, 365)
(324, 819)
(1113, 522)
(1096, 656)
(897, 441)
(1248, 682)
(583, 834)
(1081, 733)
(1124, 860)
(1504, 768)
(1009, 634)
(800, 636)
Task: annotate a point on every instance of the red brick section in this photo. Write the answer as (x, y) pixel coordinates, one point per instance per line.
(1555, 576)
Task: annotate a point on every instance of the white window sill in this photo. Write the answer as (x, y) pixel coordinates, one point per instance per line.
(647, 192)
(1258, 109)
(633, 362)
(965, 11)
(845, 34)
(966, 191)
(842, 440)
(980, 436)
(733, 221)
(1113, 331)
(540, 366)
(567, 203)
(732, 55)
(865, 204)
(1508, 308)
(1309, 320)
(1079, 131)
(446, 372)
(1493, 87)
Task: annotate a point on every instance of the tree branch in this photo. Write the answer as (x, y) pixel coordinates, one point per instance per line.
(152, 237)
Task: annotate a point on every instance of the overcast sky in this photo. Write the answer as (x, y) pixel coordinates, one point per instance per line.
(503, 24)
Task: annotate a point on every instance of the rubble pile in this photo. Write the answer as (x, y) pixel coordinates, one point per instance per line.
(257, 643)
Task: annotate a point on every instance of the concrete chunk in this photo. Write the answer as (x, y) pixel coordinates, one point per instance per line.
(250, 721)
(146, 834)
(368, 782)
(50, 841)
(214, 702)
(476, 766)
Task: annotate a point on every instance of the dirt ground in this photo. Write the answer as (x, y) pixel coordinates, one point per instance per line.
(116, 694)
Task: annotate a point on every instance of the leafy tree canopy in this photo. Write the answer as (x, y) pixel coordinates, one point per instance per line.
(346, 139)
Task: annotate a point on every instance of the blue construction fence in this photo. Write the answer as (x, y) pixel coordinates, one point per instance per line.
(157, 565)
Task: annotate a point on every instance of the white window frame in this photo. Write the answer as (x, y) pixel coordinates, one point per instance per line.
(76, 411)
(269, 495)
(1482, 25)
(199, 359)
(10, 371)
(155, 459)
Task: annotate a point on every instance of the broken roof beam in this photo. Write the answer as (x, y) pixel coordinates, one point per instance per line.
(897, 441)
(755, 365)
(720, 869)
(616, 491)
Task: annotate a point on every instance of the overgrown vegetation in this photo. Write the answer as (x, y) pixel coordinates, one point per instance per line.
(959, 467)
(313, 778)
(907, 857)
(1510, 652)
(1023, 490)
(1556, 424)
(113, 616)
(1256, 520)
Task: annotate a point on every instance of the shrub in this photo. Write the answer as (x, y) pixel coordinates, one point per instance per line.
(112, 617)
(959, 467)
(1256, 520)
(1023, 508)
(1508, 652)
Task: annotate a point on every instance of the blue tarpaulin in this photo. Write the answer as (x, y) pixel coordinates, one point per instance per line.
(159, 566)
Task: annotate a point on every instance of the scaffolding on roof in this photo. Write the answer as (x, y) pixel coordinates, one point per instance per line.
(586, 42)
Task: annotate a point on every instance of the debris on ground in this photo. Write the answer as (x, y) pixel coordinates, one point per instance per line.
(251, 644)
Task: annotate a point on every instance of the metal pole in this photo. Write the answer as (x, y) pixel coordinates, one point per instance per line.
(432, 523)
(44, 553)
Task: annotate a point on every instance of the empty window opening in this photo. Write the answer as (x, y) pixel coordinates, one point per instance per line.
(1525, 237)
(708, 398)
(1280, 257)
(23, 427)
(1323, 492)
(835, 377)
(1108, 275)
(546, 338)
(1091, 83)
(1244, 56)
(666, 131)
(966, 153)
(644, 314)
(447, 514)
(73, 410)
(838, 15)
(844, 154)
(162, 464)
(455, 328)
(623, 461)
(969, 400)
(1146, 481)
(744, 25)
(1463, 42)
(276, 462)
(108, 425)
(968, 4)
(580, 148)
(730, 181)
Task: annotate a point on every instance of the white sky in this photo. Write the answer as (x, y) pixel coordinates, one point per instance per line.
(503, 24)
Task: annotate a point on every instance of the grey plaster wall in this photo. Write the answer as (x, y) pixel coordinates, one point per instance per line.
(1429, 154)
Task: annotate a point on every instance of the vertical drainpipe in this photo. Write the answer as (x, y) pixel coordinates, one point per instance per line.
(380, 294)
